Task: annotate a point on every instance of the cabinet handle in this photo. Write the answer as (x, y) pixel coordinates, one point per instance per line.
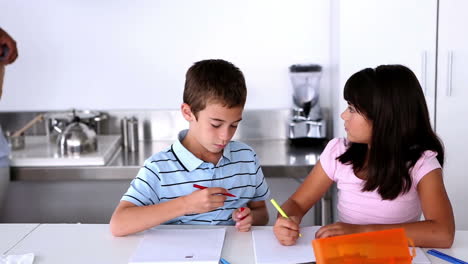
(449, 73)
(424, 71)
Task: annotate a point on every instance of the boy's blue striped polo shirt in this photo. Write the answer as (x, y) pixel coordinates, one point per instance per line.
(172, 172)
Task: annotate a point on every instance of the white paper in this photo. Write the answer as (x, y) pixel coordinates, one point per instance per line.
(17, 259)
(421, 257)
(182, 246)
(268, 250)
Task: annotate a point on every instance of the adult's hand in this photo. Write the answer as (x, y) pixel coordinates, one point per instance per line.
(8, 45)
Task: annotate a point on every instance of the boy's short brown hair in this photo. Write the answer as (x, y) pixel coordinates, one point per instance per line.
(215, 81)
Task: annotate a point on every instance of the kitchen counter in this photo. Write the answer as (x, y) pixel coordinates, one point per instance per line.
(278, 158)
(85, 193)
(39, 151)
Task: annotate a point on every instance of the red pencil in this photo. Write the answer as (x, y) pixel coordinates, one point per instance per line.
(242, 210)
(203, 187)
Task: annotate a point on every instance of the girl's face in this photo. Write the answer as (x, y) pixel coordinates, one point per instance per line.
(358, 128)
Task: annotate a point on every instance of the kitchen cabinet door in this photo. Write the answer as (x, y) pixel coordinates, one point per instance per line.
(375, 32)
(451, 107)
(281, 188)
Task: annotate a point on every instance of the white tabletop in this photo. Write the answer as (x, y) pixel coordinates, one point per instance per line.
(77, 243)
(459, 249)
(93, 243)
(10, 234)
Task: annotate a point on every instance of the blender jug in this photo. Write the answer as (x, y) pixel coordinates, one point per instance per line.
(305, 81)
(307, 124)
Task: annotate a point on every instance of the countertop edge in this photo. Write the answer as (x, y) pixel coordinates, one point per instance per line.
(78, 173)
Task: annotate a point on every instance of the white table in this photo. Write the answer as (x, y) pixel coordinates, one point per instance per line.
(93, 243)
(10, 234)
(459, 249)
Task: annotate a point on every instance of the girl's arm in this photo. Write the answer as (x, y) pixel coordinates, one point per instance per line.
(311, 190)
(438, 228)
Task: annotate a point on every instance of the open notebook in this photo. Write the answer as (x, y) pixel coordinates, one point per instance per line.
(269, 251)
(201, 246)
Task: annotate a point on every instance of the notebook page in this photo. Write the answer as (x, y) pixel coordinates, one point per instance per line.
(181, 246)
(421, 257)
(268, 250)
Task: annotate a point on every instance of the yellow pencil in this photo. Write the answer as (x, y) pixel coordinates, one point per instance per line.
(280, 210)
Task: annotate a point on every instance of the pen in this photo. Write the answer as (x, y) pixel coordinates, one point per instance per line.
(242, 209)
(445, 257)
(283, 214)
(203, 187)
(223, 261)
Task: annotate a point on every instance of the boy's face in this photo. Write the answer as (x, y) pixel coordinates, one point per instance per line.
(214, 126)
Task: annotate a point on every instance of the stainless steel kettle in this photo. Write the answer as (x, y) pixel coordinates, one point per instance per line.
(56, 122)
(77, 138)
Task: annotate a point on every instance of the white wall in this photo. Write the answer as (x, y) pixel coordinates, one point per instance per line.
(116, 54)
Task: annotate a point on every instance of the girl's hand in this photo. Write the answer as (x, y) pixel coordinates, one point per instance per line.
(286, 230)
(243, 219)
(338, 229)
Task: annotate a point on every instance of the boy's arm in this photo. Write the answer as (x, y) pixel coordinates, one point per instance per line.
(258, 209)
(259, 213)
(129, 218)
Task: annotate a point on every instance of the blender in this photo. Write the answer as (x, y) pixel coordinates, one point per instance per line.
(306, 119)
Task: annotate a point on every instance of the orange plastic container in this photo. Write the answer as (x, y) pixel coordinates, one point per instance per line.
(379, 247)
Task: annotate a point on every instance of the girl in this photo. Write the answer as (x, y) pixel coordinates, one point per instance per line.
(387, 171)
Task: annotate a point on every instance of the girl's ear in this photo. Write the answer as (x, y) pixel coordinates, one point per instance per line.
(187, 112)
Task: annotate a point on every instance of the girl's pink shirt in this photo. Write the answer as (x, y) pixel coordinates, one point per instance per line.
(358, 207)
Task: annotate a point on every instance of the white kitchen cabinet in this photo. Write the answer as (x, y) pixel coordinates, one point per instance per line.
(451, 106)
(371, 33)
(281, 188)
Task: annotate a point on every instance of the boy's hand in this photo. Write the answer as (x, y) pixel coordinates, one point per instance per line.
(286, 230)
(243, 218)
(202, 201)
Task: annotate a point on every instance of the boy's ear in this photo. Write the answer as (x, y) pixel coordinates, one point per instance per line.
(187, 112)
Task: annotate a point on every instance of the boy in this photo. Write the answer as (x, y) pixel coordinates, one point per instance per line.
(169, 187)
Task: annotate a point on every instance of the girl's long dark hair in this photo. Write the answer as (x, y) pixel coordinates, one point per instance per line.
(392, 99)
